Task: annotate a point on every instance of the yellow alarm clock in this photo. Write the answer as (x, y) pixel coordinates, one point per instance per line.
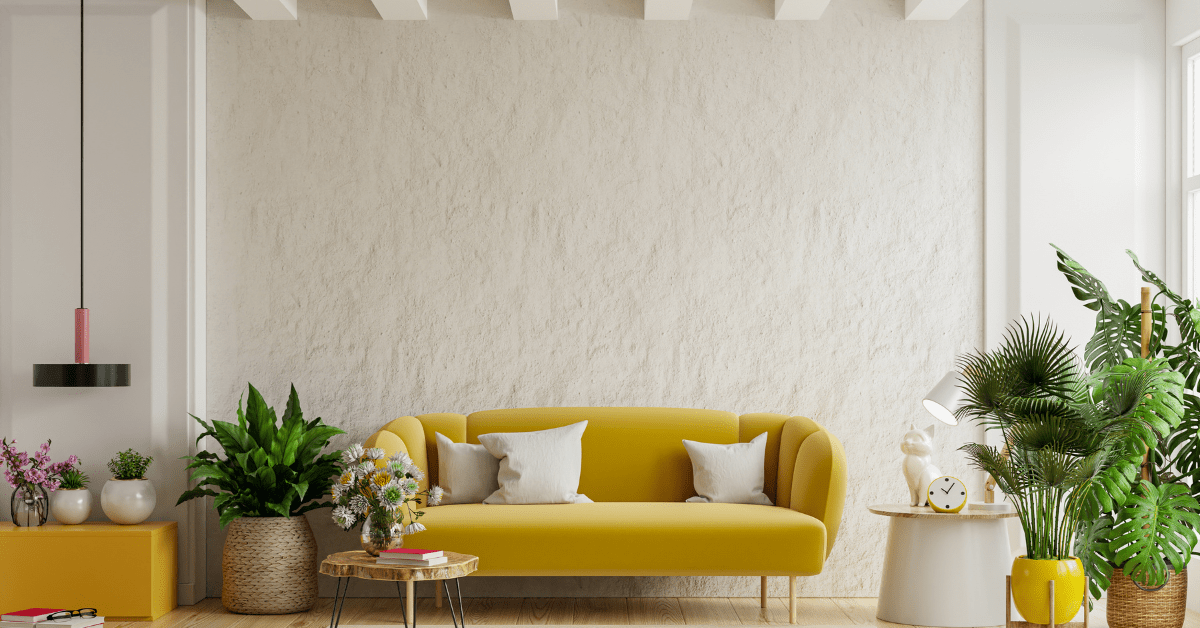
(947, 494)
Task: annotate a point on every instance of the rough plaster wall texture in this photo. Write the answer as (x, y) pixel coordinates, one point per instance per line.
(473, 213)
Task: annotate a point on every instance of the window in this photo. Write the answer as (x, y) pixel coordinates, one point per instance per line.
(1191, 165)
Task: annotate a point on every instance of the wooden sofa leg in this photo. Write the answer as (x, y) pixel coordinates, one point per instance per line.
(763, 591)
(437, 596)
(792, 599)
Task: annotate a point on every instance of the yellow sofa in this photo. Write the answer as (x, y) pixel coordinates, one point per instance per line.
(638, 473)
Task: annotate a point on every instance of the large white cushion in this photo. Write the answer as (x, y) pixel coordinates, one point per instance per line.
(729, 474)
(466, 472)
(538, 467)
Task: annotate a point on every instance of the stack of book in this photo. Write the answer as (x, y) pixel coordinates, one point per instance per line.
(409, 557)
(39, 618)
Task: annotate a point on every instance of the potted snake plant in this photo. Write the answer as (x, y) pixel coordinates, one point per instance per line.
(1146, 571)
(1073, 441)
(270, 473)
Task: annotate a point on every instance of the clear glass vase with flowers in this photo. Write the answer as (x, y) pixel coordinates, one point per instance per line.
(383, 494)
(32, 477)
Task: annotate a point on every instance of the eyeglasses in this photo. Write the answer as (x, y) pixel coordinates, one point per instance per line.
(81, 612)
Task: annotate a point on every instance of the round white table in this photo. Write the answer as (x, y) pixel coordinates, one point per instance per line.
(942, 569)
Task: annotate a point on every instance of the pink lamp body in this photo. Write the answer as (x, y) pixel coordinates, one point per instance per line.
(82, 341)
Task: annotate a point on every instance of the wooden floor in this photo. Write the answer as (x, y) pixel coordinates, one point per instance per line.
(557, 611)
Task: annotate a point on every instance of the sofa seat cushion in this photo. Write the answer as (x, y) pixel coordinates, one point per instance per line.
(628, 539)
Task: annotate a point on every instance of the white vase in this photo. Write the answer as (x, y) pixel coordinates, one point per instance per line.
(71, 505)
(127, 501)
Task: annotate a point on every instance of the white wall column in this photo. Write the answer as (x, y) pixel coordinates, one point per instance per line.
(1074, 152)
(145, 227)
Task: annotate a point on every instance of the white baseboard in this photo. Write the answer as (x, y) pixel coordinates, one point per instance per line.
(189, 594)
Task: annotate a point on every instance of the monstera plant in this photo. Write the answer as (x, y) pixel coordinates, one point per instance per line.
(1155, 525)
(271, 471)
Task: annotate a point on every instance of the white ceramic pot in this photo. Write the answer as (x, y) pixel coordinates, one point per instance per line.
(71, 506)
(127, 501)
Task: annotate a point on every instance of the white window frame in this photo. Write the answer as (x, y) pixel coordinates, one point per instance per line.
(1189, 163)
(1189, 160)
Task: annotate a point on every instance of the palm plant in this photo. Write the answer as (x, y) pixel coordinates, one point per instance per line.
(1073, 439)
(1156, 523)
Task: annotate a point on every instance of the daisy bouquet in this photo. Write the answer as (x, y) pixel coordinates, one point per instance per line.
(380, 491)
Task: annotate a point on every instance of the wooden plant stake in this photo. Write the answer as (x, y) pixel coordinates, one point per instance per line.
(1147, 330)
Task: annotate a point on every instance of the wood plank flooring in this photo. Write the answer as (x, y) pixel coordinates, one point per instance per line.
(663, 611)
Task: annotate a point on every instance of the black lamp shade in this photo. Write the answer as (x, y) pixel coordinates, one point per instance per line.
(80, 375)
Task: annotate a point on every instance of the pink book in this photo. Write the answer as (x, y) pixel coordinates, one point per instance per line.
(30, 615)
(411, 553)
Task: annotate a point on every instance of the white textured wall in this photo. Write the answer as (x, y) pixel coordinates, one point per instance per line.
(473, 213)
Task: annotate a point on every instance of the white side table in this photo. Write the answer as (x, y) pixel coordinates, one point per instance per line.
(922, 588)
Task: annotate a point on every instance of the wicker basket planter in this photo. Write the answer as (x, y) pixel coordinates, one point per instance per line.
(269, 566)
(1131, 607)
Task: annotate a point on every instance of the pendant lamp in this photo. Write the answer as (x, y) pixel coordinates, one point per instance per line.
(82, 373)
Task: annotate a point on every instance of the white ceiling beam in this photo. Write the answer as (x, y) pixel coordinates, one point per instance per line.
(402, 9)
(800, 9)
(269, 9)
(534, 9)
(931, 9)
(667, 9)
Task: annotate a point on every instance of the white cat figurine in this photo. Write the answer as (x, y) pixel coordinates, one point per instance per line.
(918, 465)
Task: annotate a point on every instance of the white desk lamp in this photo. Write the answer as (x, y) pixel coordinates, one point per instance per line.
(942, 402)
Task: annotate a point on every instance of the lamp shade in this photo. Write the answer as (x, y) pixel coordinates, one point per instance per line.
(80, 375)
(945, 399)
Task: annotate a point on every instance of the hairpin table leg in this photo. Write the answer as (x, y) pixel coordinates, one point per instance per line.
(462, 612)
(400, 596)
(335, 616)
(450, 602)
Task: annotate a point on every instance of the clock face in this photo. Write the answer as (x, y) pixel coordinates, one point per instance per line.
(947, 494)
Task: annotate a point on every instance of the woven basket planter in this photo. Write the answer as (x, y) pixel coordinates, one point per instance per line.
(1131, 607)
(269, 566)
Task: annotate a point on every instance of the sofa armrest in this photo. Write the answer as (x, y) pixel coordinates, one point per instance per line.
(404, 434)
(816, 482)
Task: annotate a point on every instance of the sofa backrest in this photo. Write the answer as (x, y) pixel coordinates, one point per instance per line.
(631, 454)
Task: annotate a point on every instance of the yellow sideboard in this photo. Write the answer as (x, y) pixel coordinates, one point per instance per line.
(125, 572)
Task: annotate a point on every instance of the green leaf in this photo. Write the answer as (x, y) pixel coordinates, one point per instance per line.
(260, 417)
(1086, 287)
(293, 411)
(1183, 445)
(1092, 549)
(229, 514)
(1117, 336)
(1157, 525)
(194, 493)
(232, 438)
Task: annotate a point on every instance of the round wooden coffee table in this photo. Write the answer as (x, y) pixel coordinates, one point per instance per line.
(359, 564)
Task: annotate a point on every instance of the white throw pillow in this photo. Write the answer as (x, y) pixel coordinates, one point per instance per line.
(729, 474)
(466, 472)
(538, 467)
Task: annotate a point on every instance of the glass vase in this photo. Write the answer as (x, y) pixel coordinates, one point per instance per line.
(30, 505)
(376, 538)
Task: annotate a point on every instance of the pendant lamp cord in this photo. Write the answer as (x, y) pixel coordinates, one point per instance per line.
(81, 154)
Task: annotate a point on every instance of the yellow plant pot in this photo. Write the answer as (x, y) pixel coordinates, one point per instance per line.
(1031, 591)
